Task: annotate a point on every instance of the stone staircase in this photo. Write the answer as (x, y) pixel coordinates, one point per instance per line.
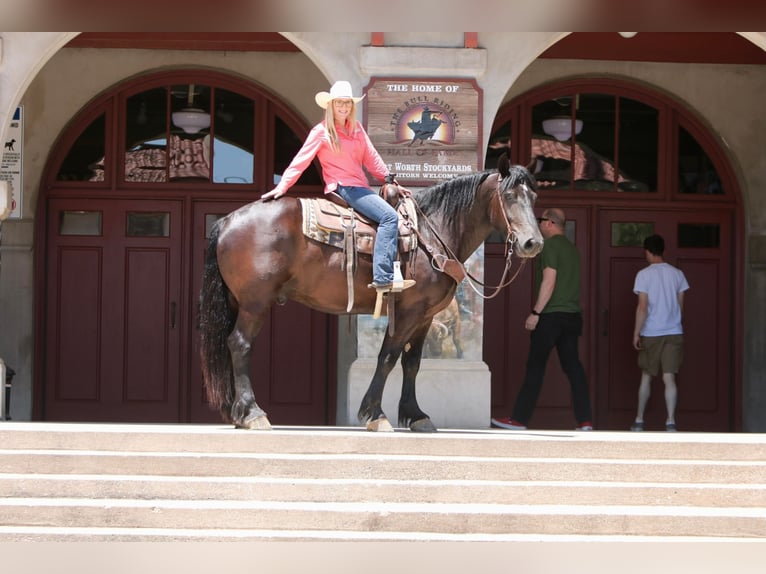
(109, 482)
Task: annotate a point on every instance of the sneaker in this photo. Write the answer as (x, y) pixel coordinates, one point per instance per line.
(508, 423)
(670, 427)
(637, 426)
(584, 426)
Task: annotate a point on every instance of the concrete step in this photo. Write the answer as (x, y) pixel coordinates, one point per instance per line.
(351, 440)
(445, 491)
(208, 482)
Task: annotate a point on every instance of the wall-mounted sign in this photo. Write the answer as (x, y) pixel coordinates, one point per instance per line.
(426, 130)
(11, 164)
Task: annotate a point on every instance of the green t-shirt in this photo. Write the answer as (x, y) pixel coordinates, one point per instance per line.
(560, 254)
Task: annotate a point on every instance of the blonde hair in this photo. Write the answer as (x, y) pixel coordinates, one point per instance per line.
(329, 122)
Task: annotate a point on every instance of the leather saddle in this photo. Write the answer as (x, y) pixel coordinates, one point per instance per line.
(329, 220)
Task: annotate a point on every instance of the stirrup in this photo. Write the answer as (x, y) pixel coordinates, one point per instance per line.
(394, 287)
(383, 290)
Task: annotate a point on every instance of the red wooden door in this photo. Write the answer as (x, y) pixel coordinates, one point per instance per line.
(113, 296)
(506, 342)
(699, 243)
(293, 366)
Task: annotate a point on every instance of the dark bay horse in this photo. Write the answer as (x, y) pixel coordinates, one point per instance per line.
(258, 256)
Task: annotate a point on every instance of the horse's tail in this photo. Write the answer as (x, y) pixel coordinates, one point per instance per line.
(216, 321)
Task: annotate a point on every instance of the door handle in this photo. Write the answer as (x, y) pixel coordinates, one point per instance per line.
(605, 330)
(173, 315)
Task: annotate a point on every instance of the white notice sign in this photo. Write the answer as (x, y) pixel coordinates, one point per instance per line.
(11, 164)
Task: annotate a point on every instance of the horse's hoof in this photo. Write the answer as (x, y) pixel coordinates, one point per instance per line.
(423, 425)
(380, 425)
(260, 422)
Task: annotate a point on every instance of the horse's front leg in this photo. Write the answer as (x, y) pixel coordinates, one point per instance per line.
(409, 411)
(245, 412)
(371, 410)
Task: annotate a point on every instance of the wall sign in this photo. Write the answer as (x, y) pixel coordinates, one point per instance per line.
(11, 164)
(426, 130)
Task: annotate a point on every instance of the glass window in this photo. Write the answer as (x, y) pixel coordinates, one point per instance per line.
(594, 152)
(234, 129)
(189, 142)
(700, 235)
(145, 136)
(286, 145)
(552, 131)
(499, 143)
(148, 224)
(86, 159)
(80, 223)
(696, 173)
(627, 234)
(573, 140)
(639, 141)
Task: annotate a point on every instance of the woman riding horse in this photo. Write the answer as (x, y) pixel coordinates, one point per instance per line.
(258, 255)
(343, 148)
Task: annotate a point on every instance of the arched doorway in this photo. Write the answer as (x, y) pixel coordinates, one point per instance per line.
(129, 196)
(629, 162)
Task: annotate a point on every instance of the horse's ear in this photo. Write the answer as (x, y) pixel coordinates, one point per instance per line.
(504, 165)
(532, 165)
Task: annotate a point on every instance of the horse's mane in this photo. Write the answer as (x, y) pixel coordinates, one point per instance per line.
(451, 199)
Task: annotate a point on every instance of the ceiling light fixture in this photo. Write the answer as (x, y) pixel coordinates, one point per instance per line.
(560, 127)
(190, 119)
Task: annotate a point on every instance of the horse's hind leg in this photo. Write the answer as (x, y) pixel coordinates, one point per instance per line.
(409, 411)
(245, 412)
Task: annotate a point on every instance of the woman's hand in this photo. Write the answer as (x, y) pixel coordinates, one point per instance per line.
(275, 193)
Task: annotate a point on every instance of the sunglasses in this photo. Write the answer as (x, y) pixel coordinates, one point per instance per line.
(541, 219)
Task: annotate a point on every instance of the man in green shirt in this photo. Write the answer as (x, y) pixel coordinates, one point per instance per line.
(555, 321)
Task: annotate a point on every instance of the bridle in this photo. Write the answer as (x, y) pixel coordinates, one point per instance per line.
(440, 261)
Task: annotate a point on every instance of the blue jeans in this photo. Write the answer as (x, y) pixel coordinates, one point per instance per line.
(371, 205)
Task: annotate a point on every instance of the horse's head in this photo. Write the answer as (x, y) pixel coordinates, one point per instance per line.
(516, 189)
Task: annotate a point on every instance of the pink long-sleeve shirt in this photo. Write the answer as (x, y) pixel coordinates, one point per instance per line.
(342, 167)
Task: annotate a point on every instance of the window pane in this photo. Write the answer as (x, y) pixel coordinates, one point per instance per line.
(189, 157)
(499, 143)
(696, 173)
(551, 149)
(699, 235)
(234, 137)
(630, 234)
(85, 161)
(145, 136)
(189, 145)
(80, 223)
(639, 140)
(148, 224)
(286, 145)
(595, 145)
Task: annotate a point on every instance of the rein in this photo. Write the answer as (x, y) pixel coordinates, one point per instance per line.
(447, 263)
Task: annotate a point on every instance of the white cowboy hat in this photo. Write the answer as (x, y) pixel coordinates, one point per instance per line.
(339, 90)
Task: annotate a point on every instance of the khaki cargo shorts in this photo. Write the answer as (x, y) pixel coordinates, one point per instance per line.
(661, 354)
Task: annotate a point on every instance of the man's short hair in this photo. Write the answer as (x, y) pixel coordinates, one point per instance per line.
(655, 244)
